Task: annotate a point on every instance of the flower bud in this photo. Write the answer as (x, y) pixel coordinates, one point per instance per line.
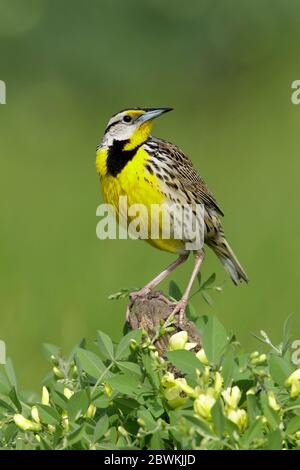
(177, 402)
(203, 405)
(54, 360)
(232, 396)
(133, 344)
(254, 354)
(107, 389)
(202, 356)
(293, 381)
(45, 396)
(122, 431)
(239, 417)
(91, 411)
(58, 373)
(272, 401)
(297, 434)
(170, 393)
(74, 372)
(35, 414)
(65, 421)
(51, 428)
(182, 383)
(26, 424)
(178, 340)
(218, 383)
(68, 393)
(259, 360)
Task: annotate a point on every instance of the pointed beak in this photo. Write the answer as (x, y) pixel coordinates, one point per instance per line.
(152, 113)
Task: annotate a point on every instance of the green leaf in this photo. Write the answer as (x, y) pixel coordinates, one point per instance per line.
(253, 407)
(77, 405)
(105, 345)
(174, 291)
(14, 398)
(294, 425)
(280, 369)
(274, 440)
(271, 415)
(151, 373)
(51, 350)
(209, 281)
(59, 399)
(200, 426)
(101, 428)
(218, 418)
(102, 402)
(90, 363)
(10, 432)
(123, 348)
(47, 414)
(149, 423)
(76, 435)
(156, 442)
(125, 366)
(229, 367)
(6, 406)
(255, 431)
(184, 360)
(124, 383)
(214, 339)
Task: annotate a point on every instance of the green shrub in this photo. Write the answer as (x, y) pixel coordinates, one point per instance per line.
(124, 396)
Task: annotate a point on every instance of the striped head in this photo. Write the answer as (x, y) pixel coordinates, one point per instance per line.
(131, 126)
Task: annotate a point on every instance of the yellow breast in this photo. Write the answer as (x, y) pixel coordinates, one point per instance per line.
(140, 187)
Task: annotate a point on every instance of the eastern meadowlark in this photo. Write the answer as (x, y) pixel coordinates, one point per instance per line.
(133, 163)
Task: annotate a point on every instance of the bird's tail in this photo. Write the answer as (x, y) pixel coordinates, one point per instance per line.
(227, 257)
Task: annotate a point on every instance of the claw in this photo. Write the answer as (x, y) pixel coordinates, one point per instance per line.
(180, 309)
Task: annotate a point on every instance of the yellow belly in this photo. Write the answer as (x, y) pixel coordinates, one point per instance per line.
(140, 187)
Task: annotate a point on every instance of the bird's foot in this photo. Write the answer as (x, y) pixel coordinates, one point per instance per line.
(133, 296)
(139, 293)
(180, 309)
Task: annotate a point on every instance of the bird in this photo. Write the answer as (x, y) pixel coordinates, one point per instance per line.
(150, 170)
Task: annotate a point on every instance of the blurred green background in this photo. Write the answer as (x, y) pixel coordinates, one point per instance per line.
(227, 69)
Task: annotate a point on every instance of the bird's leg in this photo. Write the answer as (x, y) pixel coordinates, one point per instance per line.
(181, 305)
(159, 278)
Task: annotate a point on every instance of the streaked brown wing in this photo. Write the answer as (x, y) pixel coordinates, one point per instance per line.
(184, 171)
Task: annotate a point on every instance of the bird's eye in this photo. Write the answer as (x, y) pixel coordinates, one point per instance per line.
(127, 118)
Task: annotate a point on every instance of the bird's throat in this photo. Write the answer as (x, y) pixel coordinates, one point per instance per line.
(119, 156)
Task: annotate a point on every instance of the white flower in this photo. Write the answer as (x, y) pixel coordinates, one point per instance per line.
(186, 388)
(202, 356)
(26, 424)
(203, 405)
(218, 383)
(35, 414)
(178, 340)
(232, 396)
(239, 417)
(68, 393)
(91, 411)
(272, 401)
(293, 381)
(45, 396)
